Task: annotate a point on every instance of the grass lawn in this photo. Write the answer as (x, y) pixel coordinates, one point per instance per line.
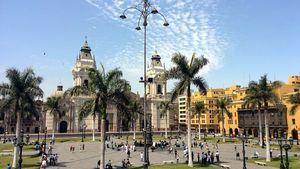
(211, 139)
(178, 166)
(29, 162)
(9, 146)
(294, 162)
(295, 148)
(73, 139)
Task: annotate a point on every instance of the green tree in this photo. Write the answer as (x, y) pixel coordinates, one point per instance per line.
(253, 100)
(56, 108)
(20, 93)
(187, 75)
(198, 109)
(295, 101)
(263, 93)
(222, 107)
(268, 95)
(165, 108)
(104, 88)
(135, 110)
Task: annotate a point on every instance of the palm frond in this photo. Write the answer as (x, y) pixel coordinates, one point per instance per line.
(197, 64)
(293, 109)
(201, 84)
(86, 109)
(178, 89)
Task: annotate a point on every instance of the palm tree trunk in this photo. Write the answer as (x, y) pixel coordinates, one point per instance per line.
(260, 128)
(189, 128)
(268, 158)
(166, 127)
(54, 127)
(134, 130)
(223, 128)
(102, 148)
(199, 128)
(18, 136)
(94, 119)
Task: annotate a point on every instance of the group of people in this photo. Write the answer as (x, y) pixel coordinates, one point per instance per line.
(48, 160)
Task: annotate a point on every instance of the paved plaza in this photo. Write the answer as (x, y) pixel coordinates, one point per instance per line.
(88, 158)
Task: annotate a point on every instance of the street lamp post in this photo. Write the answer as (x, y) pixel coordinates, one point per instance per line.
(4, 137)
(287, 147)
(281, 158)
(83, 126)
(45, 140)
(244, 154)
(38, 139)
(21, 144)
(145, 9)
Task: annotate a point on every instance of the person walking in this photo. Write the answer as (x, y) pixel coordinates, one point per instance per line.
(128, 153)
(212, 157)
(192, 155)
(44, 164)
(142, 156)
(218, 156)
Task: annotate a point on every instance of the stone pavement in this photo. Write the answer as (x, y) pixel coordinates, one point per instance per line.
(88, 158)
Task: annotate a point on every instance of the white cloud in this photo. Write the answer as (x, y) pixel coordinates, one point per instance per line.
(193, 28)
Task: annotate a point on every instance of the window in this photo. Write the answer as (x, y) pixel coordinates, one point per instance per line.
(294, 121)
(159, 90)
(203, 121)
(85, 83)
(27, 129)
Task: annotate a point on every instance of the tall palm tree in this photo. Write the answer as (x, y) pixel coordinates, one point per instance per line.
(186, 73)
(253, 100)
(104, 88)
(165, 108)
(295, 101)
(222, 107)
(198, 109)
(55, 107)
(268, 95)
(261, 94)
(135, 109)
(20, 93)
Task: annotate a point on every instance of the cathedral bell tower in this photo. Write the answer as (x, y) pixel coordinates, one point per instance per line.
(84, 61)
(80, 72)
(156, 91)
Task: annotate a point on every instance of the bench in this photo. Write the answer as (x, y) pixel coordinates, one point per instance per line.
(225, 166)
(260, 163)
(169, 162)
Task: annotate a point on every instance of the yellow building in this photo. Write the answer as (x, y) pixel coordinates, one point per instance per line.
(292, 87)
(210, 122)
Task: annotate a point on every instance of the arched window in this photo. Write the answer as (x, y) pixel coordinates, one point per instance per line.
(159, 91)
(85, 83)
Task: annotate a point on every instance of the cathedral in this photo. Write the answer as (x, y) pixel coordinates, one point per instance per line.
(156, 93)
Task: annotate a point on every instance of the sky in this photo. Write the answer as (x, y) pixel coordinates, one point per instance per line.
(242, 39)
